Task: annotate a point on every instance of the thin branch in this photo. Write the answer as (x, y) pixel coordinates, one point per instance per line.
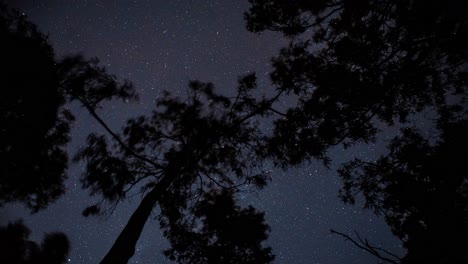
(212, 179)
(374, 248)
(116, 137)
(321, 19)
(366, 246)
(277, 112)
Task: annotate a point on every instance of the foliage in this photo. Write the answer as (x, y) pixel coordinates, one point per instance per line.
(189, 146)
(34, 124)
(35, 121)
(85, 81)
(206, 137)
(219, 231)
(354, 64)
(357, 66)
(203, 136)
(422, 191)
(184, 149)
(17, 249)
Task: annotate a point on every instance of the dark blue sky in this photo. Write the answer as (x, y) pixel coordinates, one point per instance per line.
(162, 45)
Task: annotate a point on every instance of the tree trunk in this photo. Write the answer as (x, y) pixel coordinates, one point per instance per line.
(124, 247)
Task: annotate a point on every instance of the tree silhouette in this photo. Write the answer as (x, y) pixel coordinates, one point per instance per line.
(34, 124)
(210, 138)
(219, 231)
(17, 249)
(422, 191)
(174, 156)
(358, 65)
(34, 120)
(354, 64)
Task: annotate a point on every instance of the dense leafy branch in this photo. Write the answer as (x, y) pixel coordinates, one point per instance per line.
(34, 122)
(357, 66)
(217, 231)
(421, 190)
(185, 148)
(389, 59)
(17, 248)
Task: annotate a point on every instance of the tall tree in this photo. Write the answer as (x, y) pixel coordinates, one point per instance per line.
(34, 119)
(355, 64)
(421, 189)
(174, 156)
(34, 125)
(34, 160)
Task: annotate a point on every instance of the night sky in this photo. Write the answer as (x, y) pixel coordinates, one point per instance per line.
(161, 45)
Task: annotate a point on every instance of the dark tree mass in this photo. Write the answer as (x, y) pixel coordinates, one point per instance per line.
(187, 147)
(34, 125)
(358, 64)
(352, 73)
(421, 189)
(17, 249)
(228, 233)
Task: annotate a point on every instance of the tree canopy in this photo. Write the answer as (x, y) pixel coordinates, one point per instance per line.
(34, 123)
(355, 64)
(35, 127)
(184, 149)
(207, 141)
(358, 66)
(219, 231)
(421, 190)
(35, 120)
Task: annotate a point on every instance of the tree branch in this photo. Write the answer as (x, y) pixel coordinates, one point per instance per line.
(116, 137)
(366, 246)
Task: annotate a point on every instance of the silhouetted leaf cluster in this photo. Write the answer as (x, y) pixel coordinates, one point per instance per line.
(17, 249)
(186, 147)
(219, 231)
(422, 191)
(34, 124)
(205, 137)
(35, 121)
(90, 84)
(115, 176)
(356, 66)
(355, 62)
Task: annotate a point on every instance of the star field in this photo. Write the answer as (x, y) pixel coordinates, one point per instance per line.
(161, 45)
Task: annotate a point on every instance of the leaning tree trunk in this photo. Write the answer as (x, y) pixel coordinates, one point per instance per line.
(124, 247)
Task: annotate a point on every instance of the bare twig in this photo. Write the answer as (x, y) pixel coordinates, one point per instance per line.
(378, 252)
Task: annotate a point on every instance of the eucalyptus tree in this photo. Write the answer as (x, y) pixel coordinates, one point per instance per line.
(184, 150)
(187, 147)
(359, 66)
(35, 124)
(421, 188)
(35, 119)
